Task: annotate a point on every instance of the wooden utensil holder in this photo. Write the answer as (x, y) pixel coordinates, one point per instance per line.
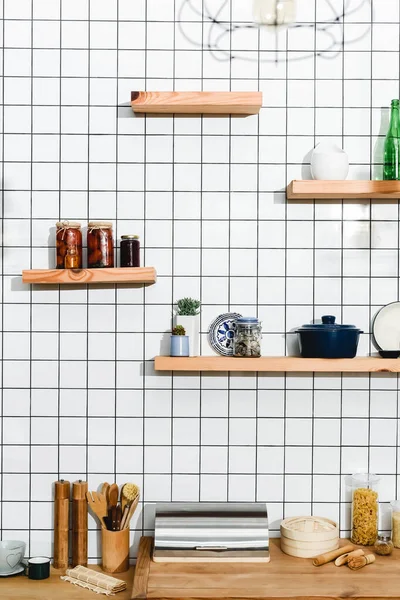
(115, 550)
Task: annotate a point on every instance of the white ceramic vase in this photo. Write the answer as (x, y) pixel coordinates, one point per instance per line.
(192, 328)
(329, 162)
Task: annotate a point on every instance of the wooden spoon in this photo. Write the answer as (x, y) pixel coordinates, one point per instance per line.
(98, 505)
(113, 495)
(105, 490)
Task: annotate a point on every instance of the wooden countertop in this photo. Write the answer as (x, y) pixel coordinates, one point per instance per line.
(20, 587)
(284, 577)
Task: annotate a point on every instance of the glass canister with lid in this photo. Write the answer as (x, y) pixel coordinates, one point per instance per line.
(100, 245)
(68, 245)
(247, 339)
(395, 506)
(383, 545)
(364, 508)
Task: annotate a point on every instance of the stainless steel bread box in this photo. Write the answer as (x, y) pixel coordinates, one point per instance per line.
(205, 532)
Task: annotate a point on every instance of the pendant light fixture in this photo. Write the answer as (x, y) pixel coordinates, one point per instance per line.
(274, 12)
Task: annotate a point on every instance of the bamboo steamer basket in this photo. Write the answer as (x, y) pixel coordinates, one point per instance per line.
(306, 537)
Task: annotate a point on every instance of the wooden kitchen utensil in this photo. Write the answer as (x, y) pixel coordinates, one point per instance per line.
(79, 524)
(98, 505)
(112, 518)
(129, 492)
(61, 523)
(115, 550)
(128, 513)
(105, 490)
(323, 559)
(358, 562)
(345, 558)
(113, 495)
(118, 517)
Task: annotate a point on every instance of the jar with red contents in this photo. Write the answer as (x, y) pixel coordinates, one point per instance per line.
(68, 245)
(100, 245)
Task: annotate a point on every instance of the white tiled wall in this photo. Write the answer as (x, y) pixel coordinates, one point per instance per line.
(80, 397)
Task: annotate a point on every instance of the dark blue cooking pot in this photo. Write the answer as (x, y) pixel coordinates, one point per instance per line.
(328, 340)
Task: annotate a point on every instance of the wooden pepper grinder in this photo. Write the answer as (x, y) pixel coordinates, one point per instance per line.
(61, 523)
(79, 524)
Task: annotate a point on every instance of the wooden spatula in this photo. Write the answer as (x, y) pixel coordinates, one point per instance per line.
(98, 505)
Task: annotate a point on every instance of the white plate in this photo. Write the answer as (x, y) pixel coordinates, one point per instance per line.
(386, 327)
(19, 569)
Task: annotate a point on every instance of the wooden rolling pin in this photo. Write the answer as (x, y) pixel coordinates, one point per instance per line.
(79, 524)
(61, 523)
(329, 556)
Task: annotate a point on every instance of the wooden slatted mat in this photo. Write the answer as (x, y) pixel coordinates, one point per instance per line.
(284, 577)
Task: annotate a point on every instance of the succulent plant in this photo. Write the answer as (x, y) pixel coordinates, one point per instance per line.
(187, 307)
(179, 330)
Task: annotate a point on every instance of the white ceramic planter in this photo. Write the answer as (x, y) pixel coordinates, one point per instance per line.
(192, 328)
(329, 162)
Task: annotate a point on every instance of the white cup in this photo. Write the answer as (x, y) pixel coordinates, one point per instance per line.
(11, 555)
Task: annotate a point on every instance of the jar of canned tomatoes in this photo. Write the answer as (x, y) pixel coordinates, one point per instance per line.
(68, 245)
(100, 245)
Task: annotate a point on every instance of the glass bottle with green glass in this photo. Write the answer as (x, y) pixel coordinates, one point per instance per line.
(391, 166)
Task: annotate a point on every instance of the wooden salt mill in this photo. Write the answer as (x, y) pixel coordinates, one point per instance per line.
(61, 523)
(79, 524)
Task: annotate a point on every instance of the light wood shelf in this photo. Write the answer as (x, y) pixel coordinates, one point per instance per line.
(332, 190)
(77, 276)
(279, 364)
(217, 103)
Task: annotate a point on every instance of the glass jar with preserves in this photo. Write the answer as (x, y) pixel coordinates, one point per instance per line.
(247, 339)
(364, 509)
(130, 251)
(68, 245)
(100, 245)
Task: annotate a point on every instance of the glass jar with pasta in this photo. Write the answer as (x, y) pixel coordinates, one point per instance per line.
(395, 506)
(364, 509)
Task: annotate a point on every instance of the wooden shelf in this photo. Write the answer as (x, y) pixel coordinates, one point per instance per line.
(217, 103)
(332, 190)
(279, 364)
(76, 276)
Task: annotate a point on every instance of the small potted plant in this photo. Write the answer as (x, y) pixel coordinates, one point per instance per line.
(188, 315)
(179, 342)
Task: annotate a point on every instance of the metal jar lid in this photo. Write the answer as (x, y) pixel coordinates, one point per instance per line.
(247, 321)
(129, 237)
